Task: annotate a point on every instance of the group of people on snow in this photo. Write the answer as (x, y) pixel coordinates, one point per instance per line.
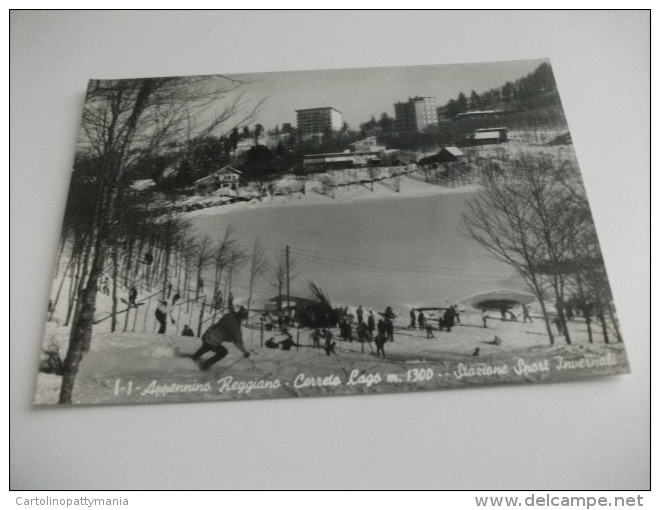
(446, 321)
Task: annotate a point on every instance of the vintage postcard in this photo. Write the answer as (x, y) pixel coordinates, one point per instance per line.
(320, 233)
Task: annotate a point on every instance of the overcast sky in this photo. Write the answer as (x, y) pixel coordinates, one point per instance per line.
(363, 92)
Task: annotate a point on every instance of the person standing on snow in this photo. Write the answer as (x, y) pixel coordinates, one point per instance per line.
(484, 317)
(412, 320)
(420, 320)
(132, 296)
(449, 316)
(371, 322)
(161, 316)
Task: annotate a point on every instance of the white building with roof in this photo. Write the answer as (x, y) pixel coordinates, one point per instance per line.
(226, 177)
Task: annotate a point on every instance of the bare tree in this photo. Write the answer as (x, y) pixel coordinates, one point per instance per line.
(499, 223)
(259, 265)
(533, 215)
(222, 258)
(124, 121)
(203, 256)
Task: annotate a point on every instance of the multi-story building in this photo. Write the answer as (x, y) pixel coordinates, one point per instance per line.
(316, 121)
(416, 114)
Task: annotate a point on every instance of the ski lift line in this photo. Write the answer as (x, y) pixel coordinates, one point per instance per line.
(311, 253)
(402, 267)
(446, 274)
(300, 251)
(384, 265)
(126, 309)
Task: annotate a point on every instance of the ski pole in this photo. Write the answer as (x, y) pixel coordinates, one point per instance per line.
(229, 366)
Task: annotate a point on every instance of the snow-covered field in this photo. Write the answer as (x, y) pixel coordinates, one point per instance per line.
(398, 246)
(143, 367)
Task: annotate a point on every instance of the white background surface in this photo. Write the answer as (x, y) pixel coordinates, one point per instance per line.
(587, 435)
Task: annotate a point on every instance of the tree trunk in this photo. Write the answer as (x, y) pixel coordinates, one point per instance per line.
(59, 288)
(603, 323)
(610, 312)
(81, 331)
(115, 277)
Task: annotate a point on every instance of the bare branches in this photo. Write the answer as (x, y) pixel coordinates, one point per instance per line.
(531, 215)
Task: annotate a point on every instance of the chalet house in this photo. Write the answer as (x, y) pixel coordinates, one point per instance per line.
(226, 177)
(448, 155)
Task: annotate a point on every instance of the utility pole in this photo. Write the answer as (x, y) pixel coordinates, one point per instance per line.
(288, 308)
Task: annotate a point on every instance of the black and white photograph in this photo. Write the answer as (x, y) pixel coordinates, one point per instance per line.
(325, 233)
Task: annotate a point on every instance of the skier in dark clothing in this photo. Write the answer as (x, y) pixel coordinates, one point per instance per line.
(448, 318)
(526, 315)
(329, 344)
(288, 342)
(412, 319)
(132, 296)
(457, 315)
(381, 338)
(161, 316)
(371, 322)
(104, 286)
(389, 330)
(176, 297)
(227, 329)
(187, 331)
(420, 320)
(360, 314)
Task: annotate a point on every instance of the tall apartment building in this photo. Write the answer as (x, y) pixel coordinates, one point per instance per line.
(315, 121)
(416, 114)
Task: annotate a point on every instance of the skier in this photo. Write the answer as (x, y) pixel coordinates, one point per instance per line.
(288, 342)
(449, 316)
(161, 315)
(227, 329)
(132, 296)
(484, 317)
(360, 313)
(420, 320)
(176, 297)
(187, 331)
(412, 320)
(381, 338)
(104, 285)
(457, 315)
(371, 322)
(526, 315)
(329, 344)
